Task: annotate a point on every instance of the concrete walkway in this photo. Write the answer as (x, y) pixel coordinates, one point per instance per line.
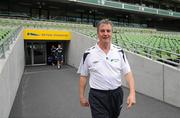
(46, 92)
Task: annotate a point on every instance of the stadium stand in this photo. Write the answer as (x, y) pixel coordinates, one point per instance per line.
(158, 45)
(148, 30)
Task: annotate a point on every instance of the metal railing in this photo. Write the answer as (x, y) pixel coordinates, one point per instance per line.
(131, 7)
(151, 52)
(4, 45)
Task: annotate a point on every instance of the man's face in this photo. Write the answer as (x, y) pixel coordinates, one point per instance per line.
(105, 33)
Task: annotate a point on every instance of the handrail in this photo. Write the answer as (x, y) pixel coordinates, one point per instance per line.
(150, 52)
(4, 45)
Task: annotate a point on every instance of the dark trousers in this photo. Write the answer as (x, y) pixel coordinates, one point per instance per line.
(106, 103)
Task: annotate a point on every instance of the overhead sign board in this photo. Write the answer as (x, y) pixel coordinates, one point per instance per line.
(44, 34)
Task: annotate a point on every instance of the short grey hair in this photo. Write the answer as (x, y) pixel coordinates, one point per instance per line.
(104, 21)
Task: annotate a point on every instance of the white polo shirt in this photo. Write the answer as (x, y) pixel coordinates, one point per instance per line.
(104, 70)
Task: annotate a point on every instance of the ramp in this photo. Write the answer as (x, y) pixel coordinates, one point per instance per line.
(46, 92)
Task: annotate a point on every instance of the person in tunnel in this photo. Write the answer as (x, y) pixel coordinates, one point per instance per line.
(59, 56)
(52, 55)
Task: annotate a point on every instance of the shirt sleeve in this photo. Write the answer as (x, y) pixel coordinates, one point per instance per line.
(83, 68)
(125, 65)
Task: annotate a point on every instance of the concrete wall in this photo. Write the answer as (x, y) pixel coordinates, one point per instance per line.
(76, 48)
(152, 78)
(155, 79)
(148, 75)
(11, 70)
(172, 85)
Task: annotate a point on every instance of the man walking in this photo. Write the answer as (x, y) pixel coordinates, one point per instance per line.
(105, 64)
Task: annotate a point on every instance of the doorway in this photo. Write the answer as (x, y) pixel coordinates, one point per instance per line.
(35, 53)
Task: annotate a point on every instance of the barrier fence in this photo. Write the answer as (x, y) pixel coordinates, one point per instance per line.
(5, 44)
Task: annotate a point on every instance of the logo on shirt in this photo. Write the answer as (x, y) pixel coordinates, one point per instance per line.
(95, 62)
(114, 60)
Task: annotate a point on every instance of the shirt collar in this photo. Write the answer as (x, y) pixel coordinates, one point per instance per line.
(99, 49)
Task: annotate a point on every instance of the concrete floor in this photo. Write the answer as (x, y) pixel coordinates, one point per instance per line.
(46, 92)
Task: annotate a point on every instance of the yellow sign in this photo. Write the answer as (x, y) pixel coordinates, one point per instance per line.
(42, 34)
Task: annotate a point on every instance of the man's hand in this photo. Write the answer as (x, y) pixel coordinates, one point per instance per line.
(82, 85)
(84, 102)
(131, 100)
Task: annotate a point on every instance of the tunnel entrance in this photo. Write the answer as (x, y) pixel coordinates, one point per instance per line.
(39, 52)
